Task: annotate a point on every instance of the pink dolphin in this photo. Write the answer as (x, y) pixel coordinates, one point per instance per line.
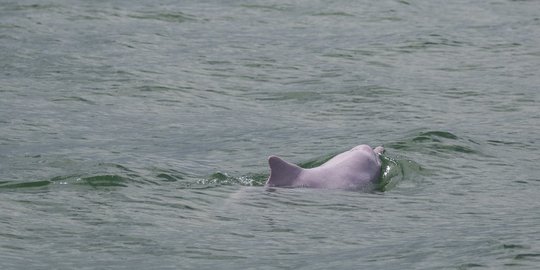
(357, 168)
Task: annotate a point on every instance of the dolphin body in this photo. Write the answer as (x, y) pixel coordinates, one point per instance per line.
(355, 169)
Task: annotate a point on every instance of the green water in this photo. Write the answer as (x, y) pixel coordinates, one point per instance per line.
(134, 134)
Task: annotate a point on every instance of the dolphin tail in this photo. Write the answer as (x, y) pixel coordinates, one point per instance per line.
(282, 173)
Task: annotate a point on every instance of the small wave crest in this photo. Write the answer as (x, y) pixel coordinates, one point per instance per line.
(101, 175)
(439, 143)
(96, 181)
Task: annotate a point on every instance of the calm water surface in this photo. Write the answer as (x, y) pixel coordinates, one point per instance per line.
(134, 134)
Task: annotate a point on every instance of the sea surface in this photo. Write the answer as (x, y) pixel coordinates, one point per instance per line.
(135, 134)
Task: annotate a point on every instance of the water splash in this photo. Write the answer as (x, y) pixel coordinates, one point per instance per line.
(220, 178)
(395, 170)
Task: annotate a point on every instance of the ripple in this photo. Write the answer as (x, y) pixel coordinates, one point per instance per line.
(21, 185)
(433, 41)
(470, 265)
(104, 181)
(301, 96)
(32, 7)
(267, 7)
(513, 246)
(335, 13)
(74, 99)
(175, 17)
(528, 256)
(442, 134)
(438, 142)
(102, 175)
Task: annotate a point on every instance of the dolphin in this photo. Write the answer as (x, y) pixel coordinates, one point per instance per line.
(358, 168)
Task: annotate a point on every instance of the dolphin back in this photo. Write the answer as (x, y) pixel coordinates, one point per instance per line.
(282, 173)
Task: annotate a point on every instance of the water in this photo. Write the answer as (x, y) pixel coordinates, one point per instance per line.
(134, 134)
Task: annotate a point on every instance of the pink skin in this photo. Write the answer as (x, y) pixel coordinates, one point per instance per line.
(357, 168)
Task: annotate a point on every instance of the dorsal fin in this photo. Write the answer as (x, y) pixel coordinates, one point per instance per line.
(282, 173)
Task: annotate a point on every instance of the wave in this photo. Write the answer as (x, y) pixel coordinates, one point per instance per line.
(394, 170)
(440, 143)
